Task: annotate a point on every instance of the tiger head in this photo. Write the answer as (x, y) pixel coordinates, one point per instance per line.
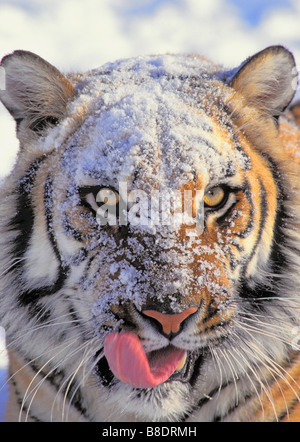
(149, 240)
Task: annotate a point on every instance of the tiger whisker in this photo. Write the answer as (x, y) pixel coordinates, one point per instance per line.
(245, 373)
(86, 372)
(263, 332)
(256, 319)
(218, 362)
(84, 359)
(12, 264)
(275, 369)
(27, 392)
(231, 368)
(35, 389)
(39, 327)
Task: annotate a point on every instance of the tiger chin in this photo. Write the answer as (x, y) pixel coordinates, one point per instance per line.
(150, 245)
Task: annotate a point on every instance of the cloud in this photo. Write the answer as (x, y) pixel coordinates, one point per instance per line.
(76, 35)
(80, 35)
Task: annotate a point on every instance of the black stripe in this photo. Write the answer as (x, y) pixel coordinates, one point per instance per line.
(278, 259)
(233, 261)
(77, 401)
(206, 399)
(278, 262)
(56, 378)
(88, 266)
(250, 225)
(288, 411)
(103, 371)
(69, 230)
(227, 122)
(19, 399)
(32, 296)
(231, 410)
(48, 200)
(80, 256)
(262, 219)
(245, 290)
(22, 222)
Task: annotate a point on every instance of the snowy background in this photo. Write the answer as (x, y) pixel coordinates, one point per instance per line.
(79, 35)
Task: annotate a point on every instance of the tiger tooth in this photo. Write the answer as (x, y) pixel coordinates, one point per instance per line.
(181, 363)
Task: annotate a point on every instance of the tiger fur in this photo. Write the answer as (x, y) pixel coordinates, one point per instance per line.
(226, 294)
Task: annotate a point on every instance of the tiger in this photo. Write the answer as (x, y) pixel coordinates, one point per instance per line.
(150, 243)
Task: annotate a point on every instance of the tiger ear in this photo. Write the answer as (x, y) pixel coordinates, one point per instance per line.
(34, 91)
(268, 80)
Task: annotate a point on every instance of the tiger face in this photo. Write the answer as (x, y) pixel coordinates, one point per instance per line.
(149, 238)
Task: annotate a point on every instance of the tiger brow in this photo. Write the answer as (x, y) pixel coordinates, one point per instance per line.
(85, 190)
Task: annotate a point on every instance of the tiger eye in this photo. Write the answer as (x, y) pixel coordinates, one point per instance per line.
(214, 197)
(107, 196)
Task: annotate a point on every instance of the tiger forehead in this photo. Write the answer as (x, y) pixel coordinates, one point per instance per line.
(120, 147)
(155, 120)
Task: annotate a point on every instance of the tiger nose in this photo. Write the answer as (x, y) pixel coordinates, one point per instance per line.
(170, 323)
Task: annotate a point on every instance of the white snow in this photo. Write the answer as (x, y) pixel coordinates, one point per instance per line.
(158, 132)
(75, 35)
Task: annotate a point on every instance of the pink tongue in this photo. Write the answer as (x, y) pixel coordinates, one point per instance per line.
(128, 361)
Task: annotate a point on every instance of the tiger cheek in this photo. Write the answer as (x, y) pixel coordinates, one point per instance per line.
(210, 286)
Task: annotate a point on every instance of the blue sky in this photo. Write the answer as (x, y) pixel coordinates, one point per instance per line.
(95, 31)
(253, 11)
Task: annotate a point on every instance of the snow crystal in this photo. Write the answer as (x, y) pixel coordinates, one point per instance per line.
(147, 130)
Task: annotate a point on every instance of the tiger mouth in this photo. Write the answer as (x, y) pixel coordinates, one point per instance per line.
(188, 372)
